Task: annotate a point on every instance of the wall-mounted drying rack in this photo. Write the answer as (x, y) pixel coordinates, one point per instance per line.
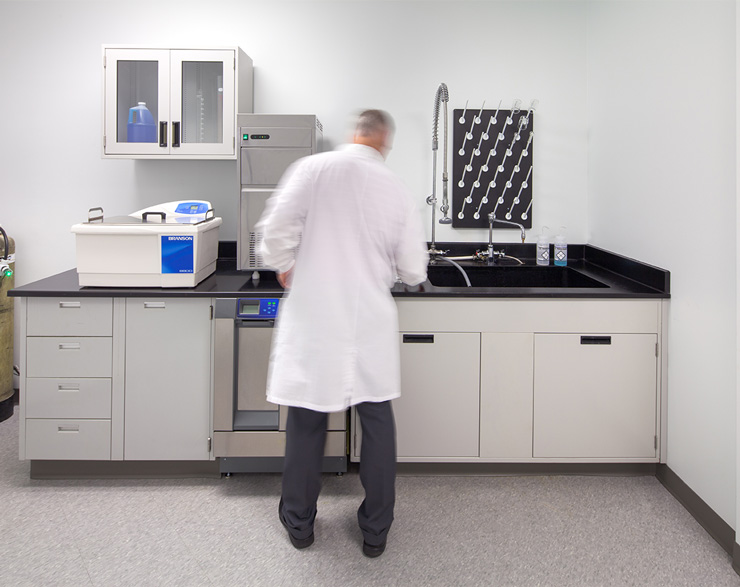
(492, 165)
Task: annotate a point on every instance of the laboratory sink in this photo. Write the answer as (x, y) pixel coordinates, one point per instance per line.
(446, 275)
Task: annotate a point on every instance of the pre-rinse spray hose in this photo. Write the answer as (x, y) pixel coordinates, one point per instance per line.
(442, 95)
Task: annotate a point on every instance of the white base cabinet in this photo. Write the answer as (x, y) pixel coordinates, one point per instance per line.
(483, 380)
(115, 379)
(168, 373)
(595, 395)
(66, 388)
(443, 399)
(523, 380)
(506, 395)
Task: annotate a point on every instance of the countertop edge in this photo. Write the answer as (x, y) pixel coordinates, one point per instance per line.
(626, 278)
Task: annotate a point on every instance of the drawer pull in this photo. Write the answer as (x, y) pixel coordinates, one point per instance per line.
(418, 338)
(69, 346)
(154, 305)
(65, 388)
(68, 428)
(70, 304)
(596, 340)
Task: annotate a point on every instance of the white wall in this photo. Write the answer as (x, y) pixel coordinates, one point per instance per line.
(662, 188)
(327, 58)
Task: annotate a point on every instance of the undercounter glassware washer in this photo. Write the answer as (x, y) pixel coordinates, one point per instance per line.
(249, 431)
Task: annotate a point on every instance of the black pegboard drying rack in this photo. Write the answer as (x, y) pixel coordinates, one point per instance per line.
(491, 167)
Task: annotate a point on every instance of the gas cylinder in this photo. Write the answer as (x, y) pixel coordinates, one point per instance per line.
(7, 270)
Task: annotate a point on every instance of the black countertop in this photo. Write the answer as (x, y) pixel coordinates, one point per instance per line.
(618, 277)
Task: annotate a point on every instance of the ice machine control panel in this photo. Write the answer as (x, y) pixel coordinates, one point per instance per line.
(257, 308)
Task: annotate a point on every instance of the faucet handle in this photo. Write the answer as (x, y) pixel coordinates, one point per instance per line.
(434, 251)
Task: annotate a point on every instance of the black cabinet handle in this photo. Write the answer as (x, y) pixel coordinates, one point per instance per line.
(418, 338)
(175, 134)
(596, 340)
(163, 134)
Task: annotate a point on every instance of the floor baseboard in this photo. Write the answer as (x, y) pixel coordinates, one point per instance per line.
(717, 528)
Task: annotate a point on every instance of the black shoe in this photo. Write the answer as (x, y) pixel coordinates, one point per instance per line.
(373, 551)
(298, 543)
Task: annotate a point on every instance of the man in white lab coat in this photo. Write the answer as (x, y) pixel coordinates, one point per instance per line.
(338, 230)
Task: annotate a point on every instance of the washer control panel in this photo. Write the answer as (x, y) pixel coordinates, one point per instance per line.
(257, 308)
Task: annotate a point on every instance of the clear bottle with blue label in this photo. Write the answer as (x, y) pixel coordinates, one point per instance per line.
(560, 249)
(543, 247)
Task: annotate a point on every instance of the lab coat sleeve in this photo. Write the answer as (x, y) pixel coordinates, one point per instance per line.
(282, 222)
(412, 257)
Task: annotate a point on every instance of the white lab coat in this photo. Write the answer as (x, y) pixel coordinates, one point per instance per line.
(336, 341)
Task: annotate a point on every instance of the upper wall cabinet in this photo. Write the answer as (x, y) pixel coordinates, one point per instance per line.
(173, 103)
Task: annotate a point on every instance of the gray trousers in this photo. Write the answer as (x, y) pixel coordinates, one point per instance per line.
(304, 451)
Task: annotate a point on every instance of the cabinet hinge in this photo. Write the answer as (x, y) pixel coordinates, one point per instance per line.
(209, 444)
(104, 141)
(655, 442)
(234, 64)
(656, 349)
(211, 311)
(105, 61)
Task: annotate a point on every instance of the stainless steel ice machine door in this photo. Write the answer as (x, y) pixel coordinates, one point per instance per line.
(264, 167)
(268, 145)
(267, 151)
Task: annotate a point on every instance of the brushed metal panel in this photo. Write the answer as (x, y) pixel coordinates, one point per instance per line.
(268, 444)
(336, 421)
(254, 345)
(223, 374)
(265, 167)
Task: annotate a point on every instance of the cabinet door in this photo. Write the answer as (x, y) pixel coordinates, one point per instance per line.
(168, 373)
(136, 79)
(202, 98)
(437, 413)
(595, 396)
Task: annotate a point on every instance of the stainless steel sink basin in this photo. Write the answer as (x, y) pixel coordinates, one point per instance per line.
(444, 275)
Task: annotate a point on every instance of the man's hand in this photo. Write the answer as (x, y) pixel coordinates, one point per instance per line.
(285, 278)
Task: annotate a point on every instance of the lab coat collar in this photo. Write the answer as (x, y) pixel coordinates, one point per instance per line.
(363, 150)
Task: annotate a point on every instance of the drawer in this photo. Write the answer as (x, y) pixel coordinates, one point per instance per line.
(68, 439)
(67, 356)
(70, 317)
(68, 398)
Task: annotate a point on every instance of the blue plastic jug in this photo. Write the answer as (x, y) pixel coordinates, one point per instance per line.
(141, 127)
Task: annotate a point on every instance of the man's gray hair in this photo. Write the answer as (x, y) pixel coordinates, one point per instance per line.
(370, 122)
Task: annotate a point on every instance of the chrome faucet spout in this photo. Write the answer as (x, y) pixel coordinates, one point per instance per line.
(491, 219)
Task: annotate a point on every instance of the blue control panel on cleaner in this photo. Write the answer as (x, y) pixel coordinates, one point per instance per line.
(257, 309)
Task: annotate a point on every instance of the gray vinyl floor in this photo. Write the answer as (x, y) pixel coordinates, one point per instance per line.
(496, 531)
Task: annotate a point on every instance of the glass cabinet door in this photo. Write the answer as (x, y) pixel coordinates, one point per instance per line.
(137, 99)
(202, 102)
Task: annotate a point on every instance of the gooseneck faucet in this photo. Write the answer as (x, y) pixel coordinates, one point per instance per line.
(493, 255)
(441, 97)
